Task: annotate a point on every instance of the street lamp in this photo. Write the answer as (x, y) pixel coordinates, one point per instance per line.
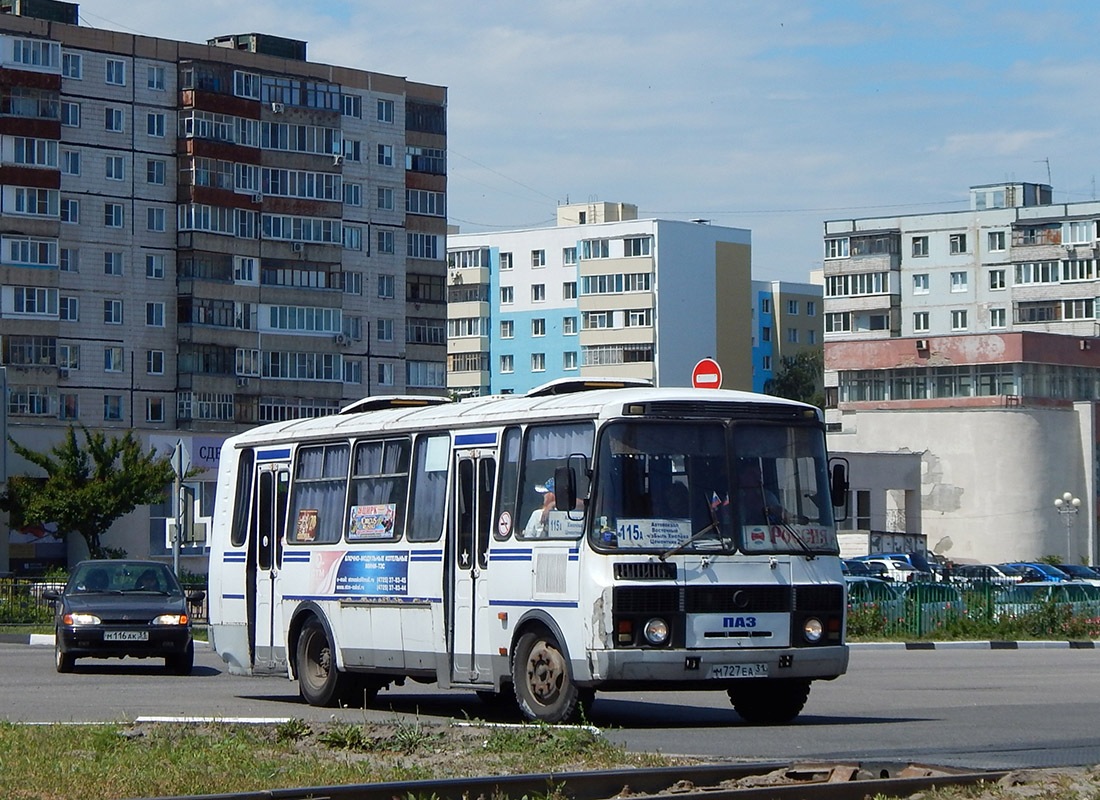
(1067, 505)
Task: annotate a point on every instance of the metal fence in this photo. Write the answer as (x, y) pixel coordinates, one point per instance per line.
(22, 601)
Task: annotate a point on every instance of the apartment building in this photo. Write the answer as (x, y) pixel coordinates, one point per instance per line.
(970, 338)
(200, 237)
(787, 320)
(601, 294)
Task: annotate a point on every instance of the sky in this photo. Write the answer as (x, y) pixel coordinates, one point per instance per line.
(770, 116)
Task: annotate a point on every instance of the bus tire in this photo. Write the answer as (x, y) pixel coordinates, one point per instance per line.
(544, 686)
(772, 702)
(319, 681)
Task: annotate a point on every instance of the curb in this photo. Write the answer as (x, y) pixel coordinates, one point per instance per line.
(1087, 644)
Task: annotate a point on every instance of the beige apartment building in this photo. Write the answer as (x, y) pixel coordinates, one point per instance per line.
(201, 237)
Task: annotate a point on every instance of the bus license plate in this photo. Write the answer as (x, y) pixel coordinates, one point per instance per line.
(126, 636)
(739, 671)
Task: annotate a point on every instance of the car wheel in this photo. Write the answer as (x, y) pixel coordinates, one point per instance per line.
(62, 661)
(319, 681)
(181, 663)
(545, 691)
(771, 702)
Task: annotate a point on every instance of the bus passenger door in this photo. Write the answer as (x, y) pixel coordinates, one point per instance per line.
(265, 557)
(471, 528)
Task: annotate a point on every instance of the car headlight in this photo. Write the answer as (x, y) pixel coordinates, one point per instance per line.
(812, 629)
(81, 619)
(656, 631)
(171, 619)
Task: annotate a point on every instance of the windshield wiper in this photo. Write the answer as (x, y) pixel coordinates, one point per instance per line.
(714, 526)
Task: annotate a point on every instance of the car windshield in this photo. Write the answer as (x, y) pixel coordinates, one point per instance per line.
(112, 577)
(711, 487)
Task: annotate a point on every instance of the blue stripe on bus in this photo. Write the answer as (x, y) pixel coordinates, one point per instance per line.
(536, 603)
(232, 597)
(432, 559)
(282, 454)
(469, 439)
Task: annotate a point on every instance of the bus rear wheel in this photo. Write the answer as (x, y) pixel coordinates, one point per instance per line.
(772, 702)
(319, 681)
(544, 686)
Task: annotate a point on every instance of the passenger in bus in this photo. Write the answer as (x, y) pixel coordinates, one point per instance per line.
(537, 523)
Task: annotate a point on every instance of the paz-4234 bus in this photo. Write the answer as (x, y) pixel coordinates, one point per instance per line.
(588, 536)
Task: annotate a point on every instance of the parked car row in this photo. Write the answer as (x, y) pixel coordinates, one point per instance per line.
(914, 567)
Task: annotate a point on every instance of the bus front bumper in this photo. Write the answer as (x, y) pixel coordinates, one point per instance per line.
(685, 667)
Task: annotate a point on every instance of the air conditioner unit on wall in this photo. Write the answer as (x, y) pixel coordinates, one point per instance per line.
(278, 108)
(257, 198)
(341, 338)
(242, 382)
(337, 160)
(296, 246)
(922, 344)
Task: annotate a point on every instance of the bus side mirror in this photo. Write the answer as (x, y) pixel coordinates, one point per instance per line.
(838, 482)
(565, 489)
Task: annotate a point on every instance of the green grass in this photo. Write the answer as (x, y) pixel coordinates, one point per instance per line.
(118, 761)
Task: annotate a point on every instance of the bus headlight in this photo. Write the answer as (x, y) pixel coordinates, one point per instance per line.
(656, 631)
(813, 630)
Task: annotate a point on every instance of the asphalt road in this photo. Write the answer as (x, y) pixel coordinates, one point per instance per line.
(965, 707)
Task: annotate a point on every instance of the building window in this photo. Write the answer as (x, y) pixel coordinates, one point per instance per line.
(72, 66)
(353, 150)
(385, 155)
(766, 363)
(792, 335)
(766, 305)
(116, 72)
(385, 241)
(538, 362)
(958, 320)
(838, 322)
(920, 246)
(155, 78)
(385, 374)
(154, 266)
(996, 241)
(569, 290)
(154, 125)
(957, 243)
(811, 336)
(538, 327)
(507, 295)
(595, 248)
(538, 258)
(836, 248)
(920, 283)
(69, 260)
(70, 114)
(112, 119)
(505, 261)
(997, 318)
(112, 262)
(920, 321)
(385, 198)
(385, 286)
(155, 219)
(569, 359)
(154, 315)
(385, 111)
(507, 364)
(154, 409)
(569, 326)
(112, 406)
(154, 362)
(114, 169)
(568, 256)
(70, 210)
(959, 282)
(112, 312)
(70, 162)
(507, 329)
(996, 279)
(765, 334)
(811, 308)
(636, 246)
(538, 292)
(68, 406)
(69, 309)
(112, 215)
(639, 318)
(792, 308)
(385, 330)
(154, 172)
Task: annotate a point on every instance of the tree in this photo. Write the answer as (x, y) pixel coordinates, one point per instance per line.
(87, 487)
(800, 377)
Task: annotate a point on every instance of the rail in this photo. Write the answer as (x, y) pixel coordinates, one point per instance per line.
(806, 781)
(22, 601)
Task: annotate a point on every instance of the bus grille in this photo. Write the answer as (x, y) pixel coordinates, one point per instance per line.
(644, 571)
(819, 598)
(749, 599)
(645, 599)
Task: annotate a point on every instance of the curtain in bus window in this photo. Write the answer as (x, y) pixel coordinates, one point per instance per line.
(547, 448)
(317, 507)
(429, 488)
(379, 484)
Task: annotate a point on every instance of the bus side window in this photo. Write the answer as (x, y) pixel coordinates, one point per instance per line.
(242, 502)
(317, 496)
(429, 488)
(547, 447)
(506, 518)
(379, 486)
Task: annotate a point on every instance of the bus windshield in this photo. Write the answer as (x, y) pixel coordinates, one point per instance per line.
(711, 487)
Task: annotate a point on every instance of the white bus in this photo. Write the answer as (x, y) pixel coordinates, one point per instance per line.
(587, 536)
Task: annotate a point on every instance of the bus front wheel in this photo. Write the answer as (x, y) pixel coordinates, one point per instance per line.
(319, 682)
(545, 691)
(771, 702)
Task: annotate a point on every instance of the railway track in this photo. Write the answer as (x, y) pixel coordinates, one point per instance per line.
(805, 781)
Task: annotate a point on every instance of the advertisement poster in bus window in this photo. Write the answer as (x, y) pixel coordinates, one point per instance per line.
(305, 530)
(371, 522)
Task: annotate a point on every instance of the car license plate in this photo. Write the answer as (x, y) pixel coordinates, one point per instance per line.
(739, 671)
(126, 636)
